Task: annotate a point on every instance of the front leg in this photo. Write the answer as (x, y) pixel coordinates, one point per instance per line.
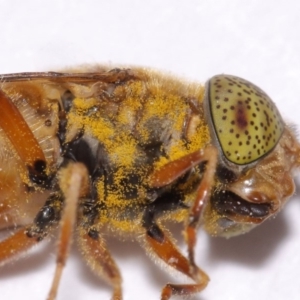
(158, 242)
(159, 245)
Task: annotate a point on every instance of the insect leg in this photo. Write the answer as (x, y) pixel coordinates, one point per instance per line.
(15, 245)
(202, 197)
(73, 183)
(157, 240)
(175, 169)
(98, 258)
(26, 237)
(160, 245)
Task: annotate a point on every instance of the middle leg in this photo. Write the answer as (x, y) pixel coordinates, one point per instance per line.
(98, 258)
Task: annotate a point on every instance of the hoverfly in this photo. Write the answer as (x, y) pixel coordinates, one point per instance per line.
(122, 151)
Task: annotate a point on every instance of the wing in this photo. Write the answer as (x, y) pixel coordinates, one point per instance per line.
(112, 76)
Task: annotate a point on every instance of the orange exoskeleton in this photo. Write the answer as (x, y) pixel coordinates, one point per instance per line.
(122, 151)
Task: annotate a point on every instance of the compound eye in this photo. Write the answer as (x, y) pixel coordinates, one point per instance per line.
(246, 121)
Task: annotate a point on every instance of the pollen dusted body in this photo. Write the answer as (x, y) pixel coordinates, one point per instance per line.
(121, 151)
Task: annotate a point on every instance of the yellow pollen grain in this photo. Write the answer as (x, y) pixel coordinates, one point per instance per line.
(82, 104)
(99, 127)
(198, 141)
(122, 150)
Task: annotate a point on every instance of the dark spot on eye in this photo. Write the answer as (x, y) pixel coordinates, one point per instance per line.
(241, 116)
(267, 118)
(247, 92)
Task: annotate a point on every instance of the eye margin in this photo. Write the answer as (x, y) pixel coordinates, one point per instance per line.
(232, 165)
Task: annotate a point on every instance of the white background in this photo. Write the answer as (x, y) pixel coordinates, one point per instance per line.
(257, 40)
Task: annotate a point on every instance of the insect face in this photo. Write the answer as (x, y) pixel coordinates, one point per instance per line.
(122, 151)
(254, 144)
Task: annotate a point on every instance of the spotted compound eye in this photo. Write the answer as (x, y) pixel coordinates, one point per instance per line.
(246, 121)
